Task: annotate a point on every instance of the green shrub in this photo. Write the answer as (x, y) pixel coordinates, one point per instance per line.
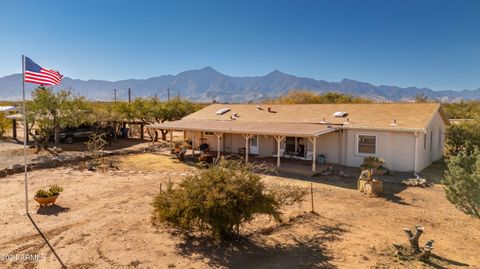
(41, 193)
(4, 124)
(462, 182)
(221, 198)
(372, 162)
(55, 190)
(462, 137)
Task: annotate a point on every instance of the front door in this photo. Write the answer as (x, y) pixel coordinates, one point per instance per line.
(254, 145)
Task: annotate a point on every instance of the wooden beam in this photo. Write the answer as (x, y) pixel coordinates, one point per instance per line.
(171, 141)
(314, 157)
(193, 144)
(219, 136)
(247, 139)
(141, 131)
(279, 139)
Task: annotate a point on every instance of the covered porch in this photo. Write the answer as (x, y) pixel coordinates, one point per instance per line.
(288, 146)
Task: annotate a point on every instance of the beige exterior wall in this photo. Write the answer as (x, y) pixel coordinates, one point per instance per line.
(396, 148)
(431, 144)
(209, 139)
(330, 145)
(340, 147)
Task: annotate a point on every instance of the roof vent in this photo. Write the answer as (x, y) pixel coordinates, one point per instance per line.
(340, 114)
(347, 121)
(323, 121)
(223, 111)
(394, 123)
(259, 108)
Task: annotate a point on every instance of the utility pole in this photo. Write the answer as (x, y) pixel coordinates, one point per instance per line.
(155, 97)
(115, 95)
(129, 95)
(168, 94)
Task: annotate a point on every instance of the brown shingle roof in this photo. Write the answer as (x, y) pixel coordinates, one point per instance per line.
(307, 119)
(409, 116)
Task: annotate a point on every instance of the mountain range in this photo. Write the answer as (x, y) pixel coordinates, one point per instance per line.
(207, 84)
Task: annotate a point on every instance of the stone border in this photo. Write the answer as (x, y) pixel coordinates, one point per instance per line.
(57, 161)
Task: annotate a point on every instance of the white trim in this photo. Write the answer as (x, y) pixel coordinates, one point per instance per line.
(357, 135)
(254, 150)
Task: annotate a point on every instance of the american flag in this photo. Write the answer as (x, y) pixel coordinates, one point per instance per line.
(38, 75)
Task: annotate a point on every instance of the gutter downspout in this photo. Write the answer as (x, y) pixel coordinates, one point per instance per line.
(415, 157)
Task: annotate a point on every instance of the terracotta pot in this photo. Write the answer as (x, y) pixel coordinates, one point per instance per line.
(46, 201)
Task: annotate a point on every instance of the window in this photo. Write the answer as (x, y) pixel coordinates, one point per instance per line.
(209, 134)
(367, 144)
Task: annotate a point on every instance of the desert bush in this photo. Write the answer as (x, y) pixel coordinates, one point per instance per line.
(462, 137)
(221, 198)
(96, 143)
(462, 182)
(463, 110)
(309, 97)
(4, 124)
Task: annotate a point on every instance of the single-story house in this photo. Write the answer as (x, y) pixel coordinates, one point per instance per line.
(408, 136)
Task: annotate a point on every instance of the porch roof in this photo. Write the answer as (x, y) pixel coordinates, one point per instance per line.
(247, 127)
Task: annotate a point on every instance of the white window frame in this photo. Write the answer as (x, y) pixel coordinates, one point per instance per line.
(357, 144)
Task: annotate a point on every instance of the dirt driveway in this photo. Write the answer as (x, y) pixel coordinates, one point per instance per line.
(102, 220)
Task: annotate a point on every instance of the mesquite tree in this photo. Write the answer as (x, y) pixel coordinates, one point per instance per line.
(462, 137)
(50, 111)
(462, 182)
(151, 110)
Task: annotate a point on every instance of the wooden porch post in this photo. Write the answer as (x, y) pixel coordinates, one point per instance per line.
(153, 138)
(314, 157)
(247, 139)
(171, 141)
(141, 132)
(279, 140)
(218, 135)
(193, 144)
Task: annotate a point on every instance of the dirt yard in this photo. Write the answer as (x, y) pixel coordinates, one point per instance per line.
(102, 220)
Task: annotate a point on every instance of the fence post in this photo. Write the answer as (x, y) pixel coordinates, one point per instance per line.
(311, 195)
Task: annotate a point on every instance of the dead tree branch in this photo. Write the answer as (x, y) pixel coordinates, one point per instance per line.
(413, 238)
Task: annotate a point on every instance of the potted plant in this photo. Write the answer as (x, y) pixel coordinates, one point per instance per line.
(373, 161)
(375, 164)
(46, 197)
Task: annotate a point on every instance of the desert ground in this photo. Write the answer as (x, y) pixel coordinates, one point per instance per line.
(103, 220)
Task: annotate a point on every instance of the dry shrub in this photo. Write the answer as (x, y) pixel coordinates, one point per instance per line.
(221, 198)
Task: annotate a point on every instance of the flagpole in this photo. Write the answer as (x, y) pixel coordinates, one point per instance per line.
(25, 134)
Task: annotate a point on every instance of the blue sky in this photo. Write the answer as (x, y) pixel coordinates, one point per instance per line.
(432, 44)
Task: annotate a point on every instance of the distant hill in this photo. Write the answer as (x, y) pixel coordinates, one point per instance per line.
(207, 84)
